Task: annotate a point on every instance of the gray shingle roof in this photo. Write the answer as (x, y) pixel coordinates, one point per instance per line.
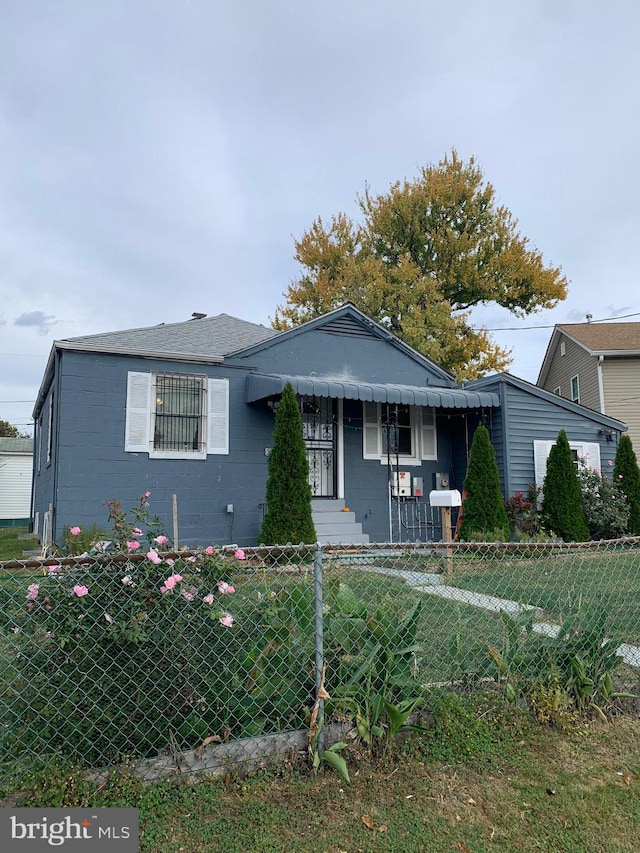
(207, 336)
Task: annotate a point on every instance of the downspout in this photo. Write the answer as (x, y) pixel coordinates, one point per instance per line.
(504, 414)
(55, 461)
(34, 463)
(601, 384)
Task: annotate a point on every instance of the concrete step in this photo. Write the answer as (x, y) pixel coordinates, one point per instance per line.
(347, 539)
(336, 525)
(319, 505)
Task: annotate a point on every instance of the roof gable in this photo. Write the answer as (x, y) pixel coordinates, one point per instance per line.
(618, 339)
(350, 321)
(488, 382)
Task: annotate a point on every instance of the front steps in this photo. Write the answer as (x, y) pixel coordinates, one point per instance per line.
(334, 525)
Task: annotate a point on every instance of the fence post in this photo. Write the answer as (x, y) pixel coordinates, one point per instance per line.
(319, 640)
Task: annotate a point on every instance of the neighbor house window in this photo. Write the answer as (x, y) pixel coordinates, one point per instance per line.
(398, 431)
(176, 415)
(563, 349)
(575, 389)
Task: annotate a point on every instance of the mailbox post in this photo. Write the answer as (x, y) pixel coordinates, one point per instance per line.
(445, 499)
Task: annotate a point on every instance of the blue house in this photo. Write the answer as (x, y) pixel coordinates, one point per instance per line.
(186, 411)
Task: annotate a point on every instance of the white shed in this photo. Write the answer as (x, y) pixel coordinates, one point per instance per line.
(16, 472)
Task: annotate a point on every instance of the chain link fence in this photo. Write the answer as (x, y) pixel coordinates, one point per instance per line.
(197, 660)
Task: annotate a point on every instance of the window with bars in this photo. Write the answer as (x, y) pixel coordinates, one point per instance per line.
(176, 415)
(179, 413)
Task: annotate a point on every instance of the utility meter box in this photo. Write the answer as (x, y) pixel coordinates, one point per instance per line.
(401, 484)
(445, 497)
(440, 480)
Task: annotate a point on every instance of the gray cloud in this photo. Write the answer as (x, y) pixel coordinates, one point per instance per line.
(37, 319)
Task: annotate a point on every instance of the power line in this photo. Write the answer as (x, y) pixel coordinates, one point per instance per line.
(528, 328)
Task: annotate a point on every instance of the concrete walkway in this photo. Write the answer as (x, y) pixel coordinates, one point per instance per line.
(432, 584)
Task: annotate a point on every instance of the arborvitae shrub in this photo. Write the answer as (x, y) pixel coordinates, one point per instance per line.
(483, 510)
(288, 517)
(562, 510)
(627, 475)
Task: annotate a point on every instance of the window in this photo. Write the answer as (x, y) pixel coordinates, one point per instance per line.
(581, 451)
(563, 349)
(176, 415)
(557, 391)
(396, 430)
(575, 389)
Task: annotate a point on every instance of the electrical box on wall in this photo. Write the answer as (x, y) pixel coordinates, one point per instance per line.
(418, 488)
(401, 484)
(440, 480)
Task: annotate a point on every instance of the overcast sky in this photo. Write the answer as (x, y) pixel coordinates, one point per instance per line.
(158, 158)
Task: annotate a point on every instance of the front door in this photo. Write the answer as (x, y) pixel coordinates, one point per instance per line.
(320, 435)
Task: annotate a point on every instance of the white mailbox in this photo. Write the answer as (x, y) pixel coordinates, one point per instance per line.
(445, 497)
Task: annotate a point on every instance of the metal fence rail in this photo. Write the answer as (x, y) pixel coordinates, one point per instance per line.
(195, 658)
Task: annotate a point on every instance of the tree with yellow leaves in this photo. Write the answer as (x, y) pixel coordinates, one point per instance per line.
(425, 253)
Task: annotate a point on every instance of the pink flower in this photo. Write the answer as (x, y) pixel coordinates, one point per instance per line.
(169, 561)
(32, 592)
(239, 554)
(136, 531)
(133, 545)
(74, 531)
(161, 540)
(152, 555)
(191, 559)
(80, 590)
(189, 594)
(226, 620)
(170, 582)
(53, 569)
(610, 463)
(208, 599)
(225, 588)
(147, 494)
(209, 550)
(108, 618)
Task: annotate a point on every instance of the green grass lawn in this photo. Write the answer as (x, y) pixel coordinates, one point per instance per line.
(561, 583)
(11, 546)
(502, 784)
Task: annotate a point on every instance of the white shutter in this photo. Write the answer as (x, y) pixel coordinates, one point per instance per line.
(136, 431)
(429, 435)
(371, 440)
(218, 416)
(592, 456)
(541, 450)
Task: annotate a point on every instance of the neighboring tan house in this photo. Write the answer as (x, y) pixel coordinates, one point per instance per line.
(16, 471)
(188, 409)
(598, 366)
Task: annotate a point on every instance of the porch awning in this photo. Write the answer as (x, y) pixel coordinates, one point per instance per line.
(261, 385)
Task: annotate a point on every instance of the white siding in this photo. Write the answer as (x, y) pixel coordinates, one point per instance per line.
(15, 485)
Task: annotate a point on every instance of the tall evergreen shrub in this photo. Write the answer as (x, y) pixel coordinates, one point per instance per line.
(483, 510)
(562, 510)
(627, 475)
(288, 517)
